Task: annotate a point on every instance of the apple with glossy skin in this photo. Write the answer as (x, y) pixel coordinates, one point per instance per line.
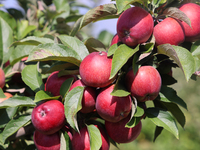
(121, 134)
(2, 78)
(95, 69)
(89, 96)
(115, 40)
(48, 117)
(54, 82)
(135, 26)
(145, 84)
(81, 141)
(8, 95)
(46, 142)
(169, 31)
(112, 108)
(192, 10)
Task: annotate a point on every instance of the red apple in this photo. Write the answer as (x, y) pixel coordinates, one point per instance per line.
(8, 95)
(192, 10)
(54, 82)
(112, 108)
(95, 69)
(135, 26)
(169, 31)
(121, 134)
(46, 142)
(145, 84)
(81, 141)
(89, 96)
(2, 78)
(48, 117)
(115, 40)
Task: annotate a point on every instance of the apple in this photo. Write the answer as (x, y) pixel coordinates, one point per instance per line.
(115, 40)
(89, 96)
(135, 26)
(2, 78)
(145, 84)
(192, 10)
(112, 108)
(54, 82)
(95, 69)
(48, 117)
(169, 31)
(121, 134)
(8, 95)
(46, 142)
(81, 141)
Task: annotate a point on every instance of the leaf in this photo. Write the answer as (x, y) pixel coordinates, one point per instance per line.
(75, 44)
(195, 49)
(65, 143)
(32, 77)
(62, 6)
(112, 49)
(9, 19)
(120, 57)
(17, 101)
(44, 95)
(14, 125)
(93, 45)
(181, 56)
(66, 86)
(163, 119)
(157, 132)
(52, 51)
(105, 37)
(2, 95)
(94, 15)
(132, 120)
(72, 105)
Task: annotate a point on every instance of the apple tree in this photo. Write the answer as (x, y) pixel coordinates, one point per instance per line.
(103, 88)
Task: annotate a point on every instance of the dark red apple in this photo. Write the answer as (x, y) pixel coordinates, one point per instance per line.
(115, 40)
(145, 84)
(48, 117)
(95, 69)
(121, 134)
(112, 108)
(89, 96)
(169, 31)
(46, 142)
(192, 10)
(2, 78)
(135, 26)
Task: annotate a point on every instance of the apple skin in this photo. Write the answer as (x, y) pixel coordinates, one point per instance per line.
(135, 26)
(48, 117)
(8, 95)
(115, 40)
(82, 141)
(54, 82)
(192, 10)
(112, 108)
(121, 134)
(46, 142)
(95, 69)
(89, 96)
(169, 31)
(145, 84)
(2, 78)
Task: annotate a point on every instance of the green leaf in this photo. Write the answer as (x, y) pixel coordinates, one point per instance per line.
(2, 95)
(105, 37)
(62, 6)
(195, 49)
(163, 119)
(65, 142)
(157, 132)
(133, 122)
(139, 111)
(181, 56)
(95, 137)
(14, 125)
(112, 49)
(9, 19)
(72, 105)
(75, 44)
(51, 51)
(94, 45)
(32, 77)
(17, 101)
(64, 89)
(44, 95)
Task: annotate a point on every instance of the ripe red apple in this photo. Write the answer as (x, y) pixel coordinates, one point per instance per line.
(169, 31)
(82, 141)
(192, 10)
(112, 108)
(115, 40)
(8, 95)
(135, 26)
(54, 82)
(89, 96)
(121, 134)
(48, 117)
(145, 84)
(46, 142)
(2, 78)
(95, 69)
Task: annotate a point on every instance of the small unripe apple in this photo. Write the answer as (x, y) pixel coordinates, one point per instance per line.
(8, 95)
(2, 78)
(192, 11)
(89, 96)
(112, 108)
(169, 31)
(95, 69)
(135, 26)
(145, 84)
(48, 117)
(46, 142)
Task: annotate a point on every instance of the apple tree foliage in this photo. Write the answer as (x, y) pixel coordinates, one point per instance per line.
(54, 39)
